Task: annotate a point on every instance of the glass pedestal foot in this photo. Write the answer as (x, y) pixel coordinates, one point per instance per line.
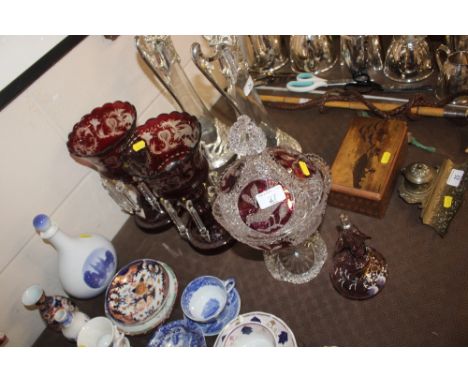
(299, 264)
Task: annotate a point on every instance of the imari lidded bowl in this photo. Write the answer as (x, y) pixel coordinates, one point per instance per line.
(272, 198)
(137, 292)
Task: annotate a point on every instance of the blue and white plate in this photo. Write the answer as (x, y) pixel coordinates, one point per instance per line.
(180, 333)
(230, 312)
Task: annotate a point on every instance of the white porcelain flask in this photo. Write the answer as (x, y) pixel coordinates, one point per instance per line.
(86, 263)
(71, 322)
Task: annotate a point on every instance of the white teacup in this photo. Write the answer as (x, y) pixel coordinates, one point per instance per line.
(250, 334)
(101, 332)
(205, 297)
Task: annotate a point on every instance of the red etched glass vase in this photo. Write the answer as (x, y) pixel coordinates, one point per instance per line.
(98, 141)
(165, 154)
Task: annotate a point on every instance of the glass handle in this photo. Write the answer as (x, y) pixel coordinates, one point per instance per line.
(228, 65)
(160, 55)
(127, 194)
(442, 53)
(120, 194)
(149, 197)
(175, 218)
(198, 221)
(204, 64)
(324, 170)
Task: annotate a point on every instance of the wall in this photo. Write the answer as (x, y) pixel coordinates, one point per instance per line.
(37, 174)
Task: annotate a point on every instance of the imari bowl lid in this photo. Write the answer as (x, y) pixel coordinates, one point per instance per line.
(137, 292)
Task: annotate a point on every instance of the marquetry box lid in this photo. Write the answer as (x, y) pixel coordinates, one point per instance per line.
(367, 163)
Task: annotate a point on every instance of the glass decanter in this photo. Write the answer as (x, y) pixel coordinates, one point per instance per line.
(230, 56)
(160, 55)
(98, 141)
(273, 199)
(165, 154)
(359, 271)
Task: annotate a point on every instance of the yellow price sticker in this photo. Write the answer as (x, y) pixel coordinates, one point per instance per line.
(137, 146)
(304, 168)
(448, 201)
(385, 157)
(85, 236)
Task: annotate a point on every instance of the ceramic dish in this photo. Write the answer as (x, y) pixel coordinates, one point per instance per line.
(180, 333)
(137, 292)
(159, 317)
(205, 297)
(250, 334)
(283, 334)
(230, 312)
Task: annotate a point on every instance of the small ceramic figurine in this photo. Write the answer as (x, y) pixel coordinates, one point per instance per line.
(86, 263)
(47, 305)
(71, 322)
(359, 271)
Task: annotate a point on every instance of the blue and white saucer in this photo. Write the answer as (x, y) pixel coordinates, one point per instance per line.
(180, 333)
(230, 312)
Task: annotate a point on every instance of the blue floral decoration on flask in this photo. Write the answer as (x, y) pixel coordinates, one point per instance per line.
(99, 268)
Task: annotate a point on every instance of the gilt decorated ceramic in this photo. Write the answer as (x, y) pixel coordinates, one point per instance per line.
(137, 292)
(161, 316)
(284, 337)
(180, 333)
(230, 311)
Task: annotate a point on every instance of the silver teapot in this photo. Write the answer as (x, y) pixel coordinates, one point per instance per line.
(409, 59)
(361, 53)
(314, 54)
(266, 53)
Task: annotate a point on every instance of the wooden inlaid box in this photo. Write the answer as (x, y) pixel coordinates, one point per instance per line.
(367, 164)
